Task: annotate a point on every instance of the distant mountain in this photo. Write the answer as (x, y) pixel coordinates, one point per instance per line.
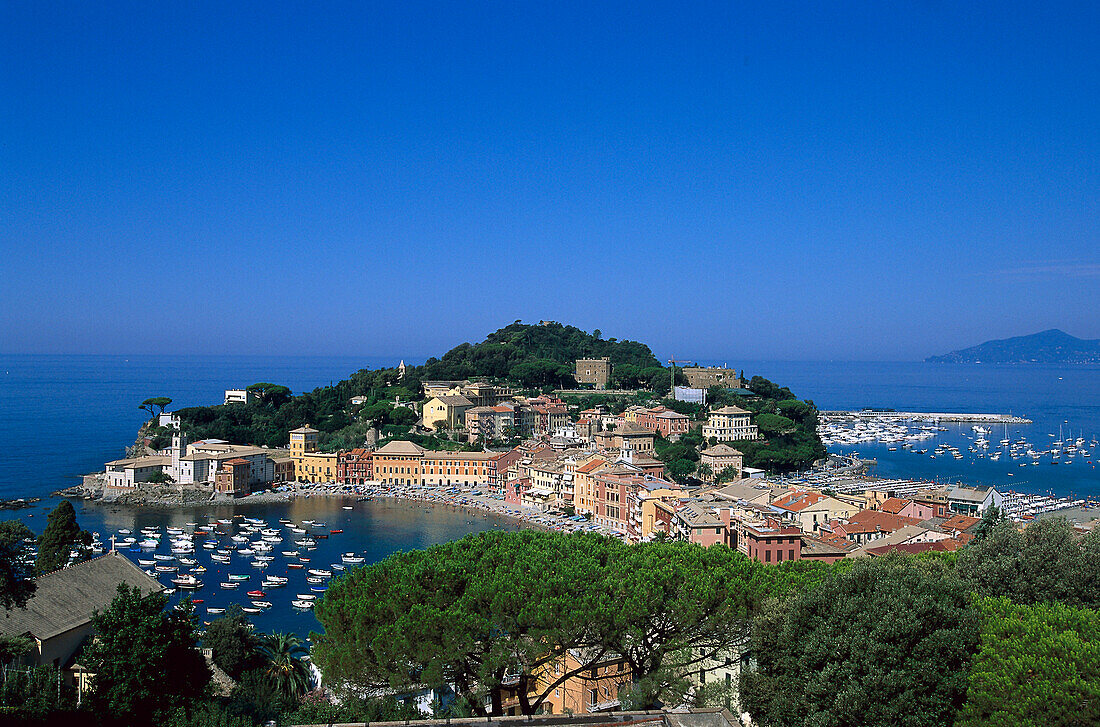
(1051, 346)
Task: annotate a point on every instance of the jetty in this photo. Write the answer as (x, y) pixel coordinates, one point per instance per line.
(915, 416)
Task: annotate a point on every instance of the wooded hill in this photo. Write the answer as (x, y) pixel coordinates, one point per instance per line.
(529, 356)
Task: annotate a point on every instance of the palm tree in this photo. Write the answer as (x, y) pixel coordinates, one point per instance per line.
(285, 666)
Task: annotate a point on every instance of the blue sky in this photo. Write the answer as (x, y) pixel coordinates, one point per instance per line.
(722, 181)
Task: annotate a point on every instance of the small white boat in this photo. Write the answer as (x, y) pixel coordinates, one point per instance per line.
(214, 610)
(239, 576)
(251, 610)
(262, 604)
(229, 585)
(300, 604)
(320, 572)
(353, 559)
(307, 596)
(161, 556)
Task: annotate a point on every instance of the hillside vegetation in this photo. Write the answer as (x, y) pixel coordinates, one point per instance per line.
(532, 356)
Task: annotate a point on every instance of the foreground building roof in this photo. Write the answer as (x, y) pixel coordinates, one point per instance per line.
(66, 598)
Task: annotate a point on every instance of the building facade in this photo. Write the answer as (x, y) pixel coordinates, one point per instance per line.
(730, 424)
(595, 371)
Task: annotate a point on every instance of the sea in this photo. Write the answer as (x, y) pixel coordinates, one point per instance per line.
(64, 416)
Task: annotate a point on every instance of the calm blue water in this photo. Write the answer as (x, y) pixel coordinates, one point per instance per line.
(1048, 395)
(372, 529)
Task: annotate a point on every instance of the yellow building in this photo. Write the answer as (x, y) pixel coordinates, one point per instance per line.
(581, 691)
(303, 440)
(450, 410)
(309, 464)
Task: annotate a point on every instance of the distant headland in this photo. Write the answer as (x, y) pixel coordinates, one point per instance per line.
(1053, 346)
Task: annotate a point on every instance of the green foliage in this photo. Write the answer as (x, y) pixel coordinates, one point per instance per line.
(16, 579)
(518, 343)
(161, 478)
(155, 405)
(992, 517)
(272, 394)
(145, 658)
(61, 536)
(883, 642)
(30, 694)
(1038, 666)
(468, 612)
(1046, 562)
(235, 645)
(284, 666)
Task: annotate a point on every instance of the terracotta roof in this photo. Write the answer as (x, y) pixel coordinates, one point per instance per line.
(721, 450)
(799, 501)
(591, 466)
(914, 548)
(238, 460)
(304, 429)
(874, 521)
(960, 523)
(894, 505)
(731, 410)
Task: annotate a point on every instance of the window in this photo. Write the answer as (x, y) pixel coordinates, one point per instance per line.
(790, 554)
(767, 556)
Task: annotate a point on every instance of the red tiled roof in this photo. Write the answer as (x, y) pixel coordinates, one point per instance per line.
(798, 501)
(894, 505)
(914, 548)
(591, 466)
(874, 521)
(960, 523)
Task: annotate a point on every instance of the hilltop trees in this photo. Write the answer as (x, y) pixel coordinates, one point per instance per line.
(155, 405)
(883, 643)
(61, 535)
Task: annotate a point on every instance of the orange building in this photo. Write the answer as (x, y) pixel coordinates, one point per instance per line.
(575, 690)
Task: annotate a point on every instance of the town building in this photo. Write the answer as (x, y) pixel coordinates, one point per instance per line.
(812, 510)
(596, 371)
(666, 422)
(311, 465)
(704, 377)
(447, 411)
(767, 540)
(125, 474)
(239, 396)
(405, 463)
(233, 477)
(628, 436)
(730, 424)
(718, 458)
(355, 467)
(589, 690)
(973, 501)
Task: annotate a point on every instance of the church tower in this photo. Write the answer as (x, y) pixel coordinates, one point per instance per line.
(401, 371)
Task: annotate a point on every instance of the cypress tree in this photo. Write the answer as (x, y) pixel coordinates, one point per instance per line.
(61, 534)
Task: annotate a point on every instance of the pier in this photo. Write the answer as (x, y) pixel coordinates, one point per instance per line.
(913, 416)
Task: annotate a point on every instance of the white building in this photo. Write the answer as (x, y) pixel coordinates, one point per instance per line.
(730, 424)
(239, 396)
